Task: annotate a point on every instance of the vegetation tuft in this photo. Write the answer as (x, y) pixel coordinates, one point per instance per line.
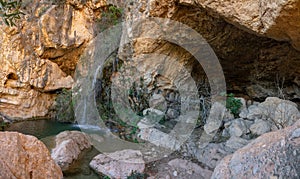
(233, 104)
(64, 107)
(10, 11)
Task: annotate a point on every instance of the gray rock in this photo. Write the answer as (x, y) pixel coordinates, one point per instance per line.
(158, 101)
(228, 115)
(171, 97)
(273, 154)
(235, 143)
(295, 134)
(237, 128)
(188, 169)
(244, 113)
(172, 113)
(254, 112)
(280, 112)
(260, 127)
(152, 116)
(119, 164)
(271, 103)
(69, 145)
(210, 155)
(215, 118)
(286, 114)
(243, 101)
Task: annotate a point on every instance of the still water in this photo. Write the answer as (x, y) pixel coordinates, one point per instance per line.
(46, 129)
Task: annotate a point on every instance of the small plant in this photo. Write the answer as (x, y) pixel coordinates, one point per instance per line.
(114, 14)
(106, 177)
(110, 16)
(139, 97)
(10, 11)
(233, 104)
(64, 107)
(3, 125)
(136, 175)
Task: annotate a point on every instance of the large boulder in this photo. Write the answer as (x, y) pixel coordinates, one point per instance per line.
(69, 146)
(24, 156)
(280, 113)
(275, 154)
(120, 164)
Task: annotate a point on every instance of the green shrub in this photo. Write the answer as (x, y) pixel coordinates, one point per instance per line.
(64, 108)
(136, 175)
(10, 11)
(233, 104)
(109, 17)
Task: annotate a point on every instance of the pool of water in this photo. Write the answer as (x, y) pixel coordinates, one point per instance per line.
(46, 129)
(41, 128)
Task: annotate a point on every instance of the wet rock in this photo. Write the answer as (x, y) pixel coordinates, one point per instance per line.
(69, 145)
(274, 154)
(24, 156)
(119, 164)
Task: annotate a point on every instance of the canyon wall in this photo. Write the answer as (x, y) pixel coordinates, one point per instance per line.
(39, 55)
(257, 44)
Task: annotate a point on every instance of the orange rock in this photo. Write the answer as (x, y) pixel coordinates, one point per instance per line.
(23, 156)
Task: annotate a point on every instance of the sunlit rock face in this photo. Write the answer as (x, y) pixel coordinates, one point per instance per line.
(24, 156)
(255, 44)
(40, 55)
(279, 20)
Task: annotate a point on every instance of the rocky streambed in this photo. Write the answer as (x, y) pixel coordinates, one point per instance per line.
(263, 141)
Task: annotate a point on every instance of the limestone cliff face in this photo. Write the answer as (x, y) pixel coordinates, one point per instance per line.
(256, 42)
(278, 20)
(39, 56)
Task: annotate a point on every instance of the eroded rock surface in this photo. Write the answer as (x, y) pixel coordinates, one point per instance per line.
(69, 145)
(279, 20)
(180, 168)
(24, 156)
(268, 63)
(234, 134)
(275, 154)
(119, 164)
(40, 56)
